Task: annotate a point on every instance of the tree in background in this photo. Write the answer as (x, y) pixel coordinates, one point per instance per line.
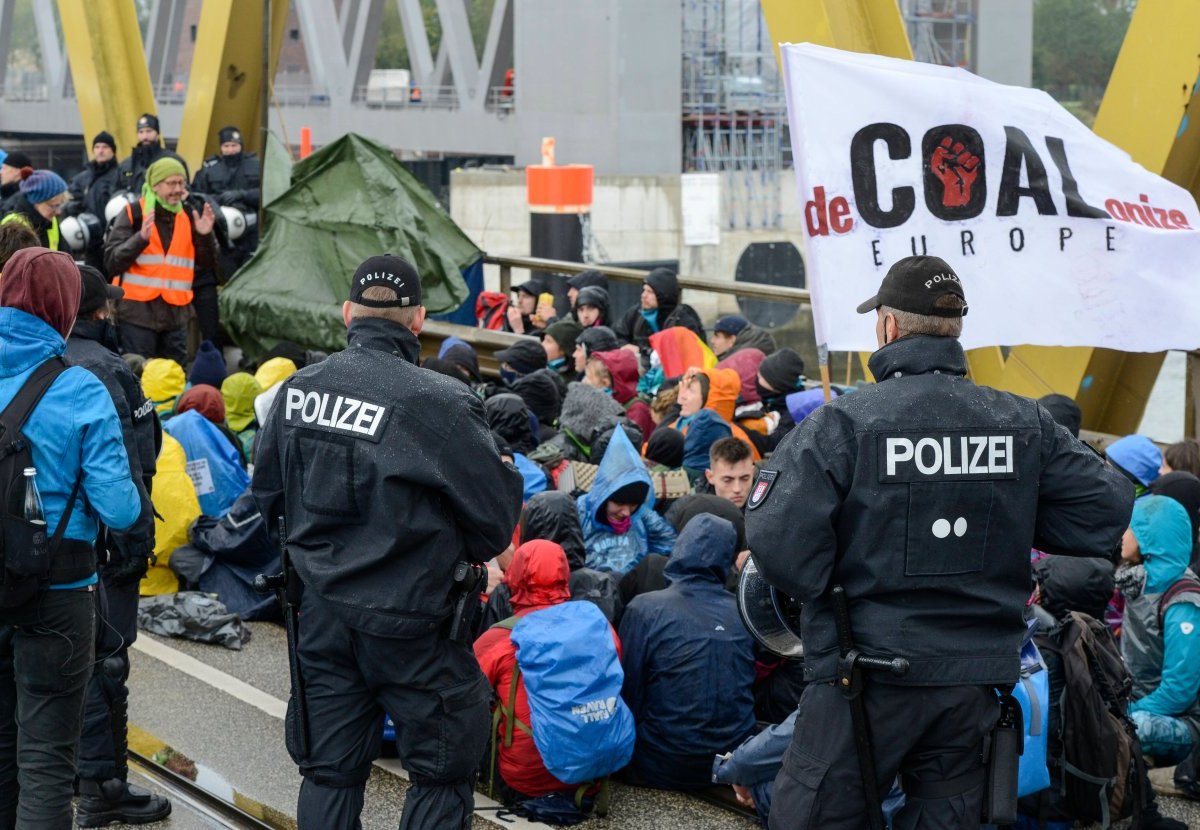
(1075, 44)
(392, 52)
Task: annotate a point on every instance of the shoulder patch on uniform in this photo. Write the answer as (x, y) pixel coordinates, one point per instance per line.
(211, 161)
(762, 487)
(335, 412)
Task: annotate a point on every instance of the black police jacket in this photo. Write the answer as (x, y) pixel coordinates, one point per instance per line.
(922, 496)
(131, 174)
(232, 180)
(91, 189)
(387, 476)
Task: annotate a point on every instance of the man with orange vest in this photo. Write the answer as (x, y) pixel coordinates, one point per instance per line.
(156, 251)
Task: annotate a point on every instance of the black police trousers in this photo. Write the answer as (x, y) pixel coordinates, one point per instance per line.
(104, 741)
(933, 737)
(435, 693)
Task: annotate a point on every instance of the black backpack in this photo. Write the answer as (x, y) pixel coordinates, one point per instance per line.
(26, 553)
(1095, 760)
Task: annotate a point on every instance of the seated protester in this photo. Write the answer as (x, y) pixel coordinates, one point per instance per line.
(522, 315)
(617, 516)
(1185, 489)
(533, 477)
(779, 375)
(1064, 411)
(689, 664)
(1182, 456)
(730, 470)
(207, 400)
(214, 464)
(745, 362)
(559, 345)
(542, 392)
(664, 406)
(733, 333)
(711, 389)
(524, 357)
(582, 280)
(509, 417)
(706, 429)
(208, 366)
(659, 309)
(586, 412)
(270, 376)
(176, 508)
(461, 354)
(590, 341)
(239, 391)
(537, 578)
(1160, 632)
(591, 309)
(163, 382)
(664, 450)
(617, 372)
(1136, 457)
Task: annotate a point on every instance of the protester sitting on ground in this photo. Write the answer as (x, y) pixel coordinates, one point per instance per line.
(1160, 632)
(559, 345)
(779, 375)
(706, 429)
(521, 358)
(659, 309)
(208, 401)
(1182, 456)
(1136, 457)
(522, 316)
(542, 392)
(42, 198)
(214, 458)
(582, 280)
(586, 412)
(664, 450)
(1185, 489)
(590, 341)
(591, 307)
(461, 354)
(617, 516)
(689, 663)
(270, 375)
(664, 405)
(208, 366)
(163, 381)
(733, 333)
(730, 470)
(715, 390)
(13, 237)
(617, 372)
(239, 391)
(509, 417)
(1065, 411)
(745, 362)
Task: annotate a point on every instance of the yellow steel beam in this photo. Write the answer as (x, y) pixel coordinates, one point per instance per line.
(224, 86)
(1150, 110)
(108, 66)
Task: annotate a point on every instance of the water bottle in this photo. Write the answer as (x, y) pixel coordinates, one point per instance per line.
(34, 511)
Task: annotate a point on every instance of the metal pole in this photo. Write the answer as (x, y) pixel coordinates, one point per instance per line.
(264, 109)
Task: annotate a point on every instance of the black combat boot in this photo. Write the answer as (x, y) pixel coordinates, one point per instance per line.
(1185, 777)
(115, 801)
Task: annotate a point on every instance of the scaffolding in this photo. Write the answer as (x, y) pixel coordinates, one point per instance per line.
(733, 108)
(942, 31)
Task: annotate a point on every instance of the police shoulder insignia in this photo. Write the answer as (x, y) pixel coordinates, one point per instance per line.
(762, 488)
(211, 161)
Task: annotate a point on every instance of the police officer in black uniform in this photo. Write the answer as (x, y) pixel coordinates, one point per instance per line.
(388, 478)
(233, 178)
(131, 175)
(91, 189)
(921, 496)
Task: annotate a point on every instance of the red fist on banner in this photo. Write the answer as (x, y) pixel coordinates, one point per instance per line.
(956, 168)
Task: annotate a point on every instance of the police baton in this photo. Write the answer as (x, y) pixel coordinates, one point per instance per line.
(850, 681)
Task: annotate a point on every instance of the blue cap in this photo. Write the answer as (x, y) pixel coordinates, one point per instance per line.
(1137, 457)
(730, 324)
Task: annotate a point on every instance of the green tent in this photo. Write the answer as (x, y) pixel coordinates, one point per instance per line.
(349, 200)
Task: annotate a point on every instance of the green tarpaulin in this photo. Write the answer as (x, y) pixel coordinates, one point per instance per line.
(349, 200)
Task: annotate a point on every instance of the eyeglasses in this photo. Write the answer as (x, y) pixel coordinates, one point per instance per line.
(57, 206)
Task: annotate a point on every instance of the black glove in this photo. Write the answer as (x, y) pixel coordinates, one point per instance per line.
(230, 197)
(128, 561)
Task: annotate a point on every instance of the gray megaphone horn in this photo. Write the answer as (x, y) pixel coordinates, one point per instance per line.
(771, 617)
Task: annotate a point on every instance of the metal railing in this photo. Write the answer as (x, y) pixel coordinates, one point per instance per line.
(749, 290)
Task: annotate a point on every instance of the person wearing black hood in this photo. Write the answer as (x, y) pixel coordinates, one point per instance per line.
(511, 418)
(1064, 411)
(591, 307)
(660, 308)
(779, 375)
(234, 179)
(389, 478)
(102, 765)
(91, 189)
(590, 341)
(582, 280)
(131, 174)
(543, 396)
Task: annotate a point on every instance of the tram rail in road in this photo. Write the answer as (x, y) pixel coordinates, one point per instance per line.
(186, 793)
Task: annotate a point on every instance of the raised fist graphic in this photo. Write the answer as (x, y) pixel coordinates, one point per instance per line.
(956, 168)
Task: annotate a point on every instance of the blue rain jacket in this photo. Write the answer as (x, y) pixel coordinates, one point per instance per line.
(689, 663)
(649, 533)
(212, 462)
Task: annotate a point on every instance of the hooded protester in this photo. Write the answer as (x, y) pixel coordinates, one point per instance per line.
(779, 375)
(622, 376)
(715, 390)
(1137, 458)
(745, 362)
(706, 429)
(537, 578)
(208, 366)
(521, 358)
(43, 195)
(163, 382)
(619, 523)
(509, 416)
(1064, 411)
(270, 377)
(210, 449)
(665, 448)
(582, 280)
(689, 663)
(604, 438)
(660, 309)
(540, 391)
(209, 402)
(239, 391)
(732, 334)
(1160, 632)
(590, 341)
(586, 412)
(522, 314)
(591, 307)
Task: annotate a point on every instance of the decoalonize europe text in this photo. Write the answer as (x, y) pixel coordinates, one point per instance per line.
(959, 177)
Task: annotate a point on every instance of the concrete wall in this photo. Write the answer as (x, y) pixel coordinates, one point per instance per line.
(1004, 41)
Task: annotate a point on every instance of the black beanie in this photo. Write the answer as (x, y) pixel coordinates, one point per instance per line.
(1064, 411)
(105, 137)
(666, 448)
(782, 370)
(148, 121)
(632, 493)
(230, 134)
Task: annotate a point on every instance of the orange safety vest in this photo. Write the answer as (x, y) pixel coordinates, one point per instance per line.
(158, 273)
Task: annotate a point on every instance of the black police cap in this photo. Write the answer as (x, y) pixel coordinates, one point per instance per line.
(389, 271)
(914, 284)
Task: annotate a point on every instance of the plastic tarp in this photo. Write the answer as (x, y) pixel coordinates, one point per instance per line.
(348, 201)
(212, 462)
(177, 507)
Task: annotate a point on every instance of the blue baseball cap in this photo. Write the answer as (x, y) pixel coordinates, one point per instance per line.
(730, 324)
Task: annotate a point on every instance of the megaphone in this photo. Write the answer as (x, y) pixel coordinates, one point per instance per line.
(117, 204)
(82, 232)
(771, 617)
(237, 222)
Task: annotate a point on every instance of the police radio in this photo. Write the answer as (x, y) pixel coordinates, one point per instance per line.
(771, 617)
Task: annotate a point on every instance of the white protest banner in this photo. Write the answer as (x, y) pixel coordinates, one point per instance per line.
(1059, 238)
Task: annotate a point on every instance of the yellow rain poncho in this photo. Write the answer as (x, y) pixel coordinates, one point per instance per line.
(163, 381)
(175, 500)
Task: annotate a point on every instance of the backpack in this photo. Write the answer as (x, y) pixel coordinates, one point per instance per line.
(580, 725)
(1095, 760)
(1184, 585)
(491, 308)
(25, 552)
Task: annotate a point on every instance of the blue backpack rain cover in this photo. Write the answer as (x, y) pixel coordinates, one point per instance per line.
(1033, 694)
(568, 660)
(212, 462)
